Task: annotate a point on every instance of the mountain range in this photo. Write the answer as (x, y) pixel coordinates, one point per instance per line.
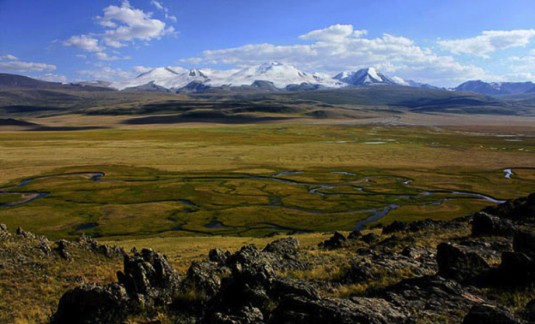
(271, 76)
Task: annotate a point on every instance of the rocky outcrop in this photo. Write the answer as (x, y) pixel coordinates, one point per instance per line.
(431, 297)
(149, 278)
(518, 210)
(93, 304)
(396, 277)
(484, 224)
(459, 263)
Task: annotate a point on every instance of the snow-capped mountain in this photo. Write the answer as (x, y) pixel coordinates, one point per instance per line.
(272, 75)
(281, 75)
(366, 77)
(496, 88)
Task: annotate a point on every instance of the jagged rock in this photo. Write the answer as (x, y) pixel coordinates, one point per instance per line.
(516, 269)
(354, 235)
(23, 233)
(44, 246)
(106, 250)
(246, 315)
(3, 227)
(62, 249)
(525, 242)
(93, 304)
(205, 278)
(489, 314)
(149, 277)
(484, 224)
(395, 226)
(335, 242)
(458, 263)
(430, 297)
(284, 247)
(218, 256)
(299, 309)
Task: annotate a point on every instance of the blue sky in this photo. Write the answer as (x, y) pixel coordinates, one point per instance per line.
(440, 42)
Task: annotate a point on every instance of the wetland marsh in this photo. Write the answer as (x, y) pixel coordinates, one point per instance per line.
(255, 180)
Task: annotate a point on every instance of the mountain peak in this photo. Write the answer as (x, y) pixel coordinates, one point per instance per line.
(363, 77)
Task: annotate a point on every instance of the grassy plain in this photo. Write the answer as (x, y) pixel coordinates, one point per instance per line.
(219, 180)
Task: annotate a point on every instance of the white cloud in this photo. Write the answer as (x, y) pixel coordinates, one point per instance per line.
(84, 42)
(123, 25)
(334, 33)
(10, 63)
(340, 47)
(126, 24)
(8, 57)
(103, 56)
(489, 42)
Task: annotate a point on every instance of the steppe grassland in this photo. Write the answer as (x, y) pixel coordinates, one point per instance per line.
(223, 170)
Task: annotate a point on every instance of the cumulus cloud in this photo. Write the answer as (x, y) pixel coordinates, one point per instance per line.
(84, 42)
(122, 25)
(489, 42)
(126, 24)
(341, 47)
(10, 63)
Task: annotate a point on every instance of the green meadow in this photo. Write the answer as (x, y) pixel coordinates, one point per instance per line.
(255, 180)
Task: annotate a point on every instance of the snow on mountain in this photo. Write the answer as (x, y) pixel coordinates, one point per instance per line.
(166, 77)
(365, 77)
(279, 75)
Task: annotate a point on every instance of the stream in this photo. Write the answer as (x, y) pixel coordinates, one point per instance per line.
(275, 201)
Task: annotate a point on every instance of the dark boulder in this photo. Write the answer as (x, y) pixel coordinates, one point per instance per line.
(149, 277)
(395, 226)
(354, 235)
(484, 224)
(458, 263)
(93, 304)
(369, 238)
(517, 210)
(285, 247)
(489, 314)
(525, 242)
(516, 269)
(335, 242)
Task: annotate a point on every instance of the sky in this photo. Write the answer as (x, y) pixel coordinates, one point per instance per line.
(433, 41)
